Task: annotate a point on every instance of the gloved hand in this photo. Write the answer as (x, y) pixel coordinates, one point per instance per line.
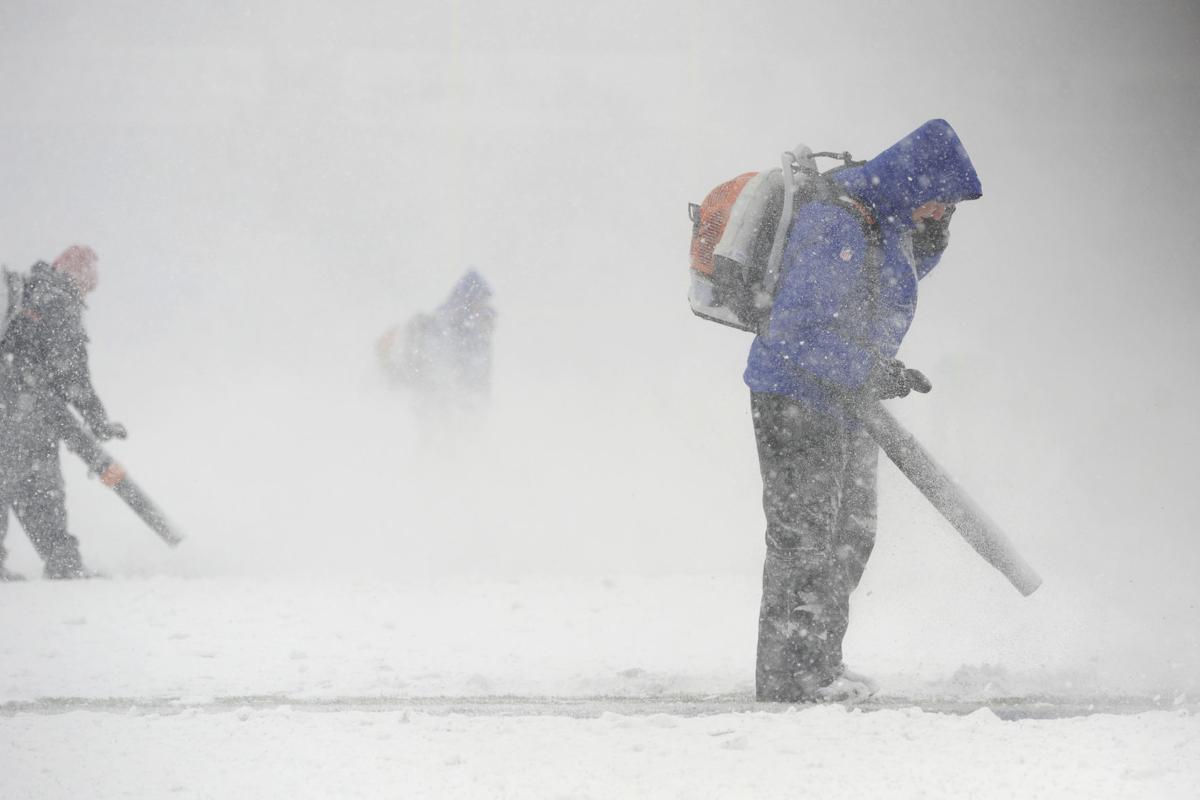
(109, 430)
(917, 381)
(890, 378)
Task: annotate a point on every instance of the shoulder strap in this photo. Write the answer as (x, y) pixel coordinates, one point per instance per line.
(873, 259)
(786, 211)
(802, 177)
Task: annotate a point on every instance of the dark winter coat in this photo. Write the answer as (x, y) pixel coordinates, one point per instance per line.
(47, 345)
(827, 330)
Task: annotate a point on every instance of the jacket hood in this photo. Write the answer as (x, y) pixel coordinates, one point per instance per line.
(928, 164)
(471, 290)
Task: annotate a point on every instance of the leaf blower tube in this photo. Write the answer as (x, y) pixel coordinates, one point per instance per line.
(114, 476)
(947, 497)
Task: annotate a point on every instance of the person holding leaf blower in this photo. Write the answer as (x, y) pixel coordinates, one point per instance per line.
(846, 295)
(44, 350)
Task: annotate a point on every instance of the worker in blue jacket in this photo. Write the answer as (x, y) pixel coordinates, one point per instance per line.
(846, 296)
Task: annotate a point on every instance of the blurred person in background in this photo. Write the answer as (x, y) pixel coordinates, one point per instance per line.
(444, 358)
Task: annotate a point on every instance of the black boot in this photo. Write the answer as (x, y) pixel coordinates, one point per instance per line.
(8, 576)
(65, 563)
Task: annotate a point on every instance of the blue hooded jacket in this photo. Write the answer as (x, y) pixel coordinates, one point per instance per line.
(464, 324)
(470, 292)
(825, 335)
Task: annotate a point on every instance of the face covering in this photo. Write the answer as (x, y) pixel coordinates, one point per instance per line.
(932, 235)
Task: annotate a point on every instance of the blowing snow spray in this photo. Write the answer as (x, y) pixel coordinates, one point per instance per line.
(984, 535)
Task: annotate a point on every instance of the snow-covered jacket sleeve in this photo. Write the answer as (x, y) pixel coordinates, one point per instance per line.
(822, 303)
(67, 360)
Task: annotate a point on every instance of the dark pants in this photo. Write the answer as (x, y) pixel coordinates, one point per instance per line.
(31, 480)
(818, 476)
(39, 501)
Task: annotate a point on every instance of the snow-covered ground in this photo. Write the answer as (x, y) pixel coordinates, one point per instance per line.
(813, 753)
(537, 687)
